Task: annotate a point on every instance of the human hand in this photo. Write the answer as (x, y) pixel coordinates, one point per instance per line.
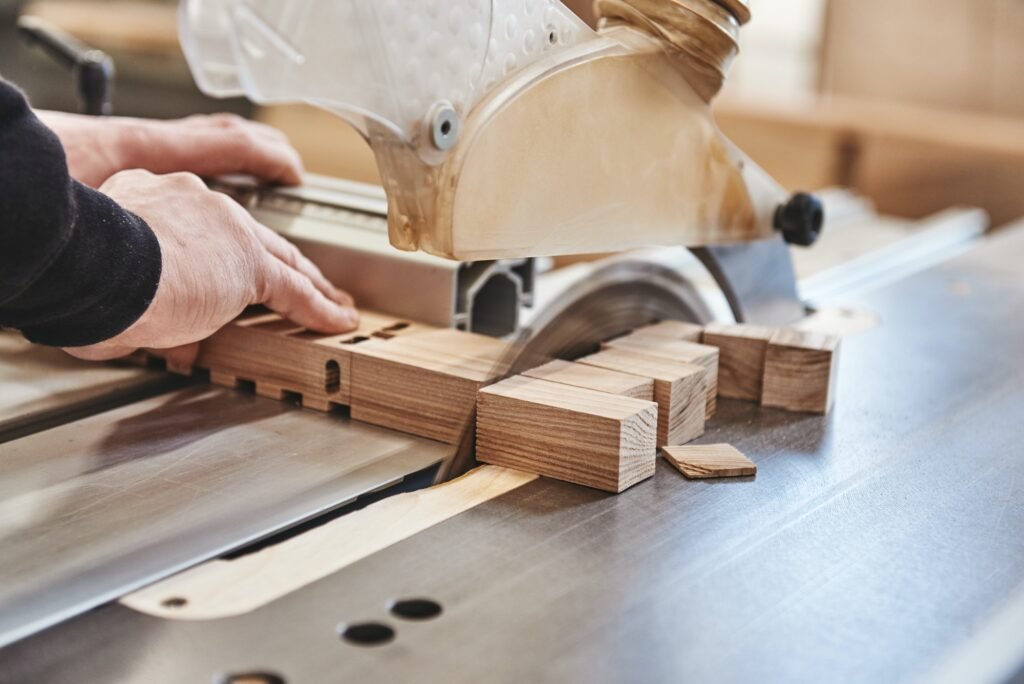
(217, 260)
(206, 145)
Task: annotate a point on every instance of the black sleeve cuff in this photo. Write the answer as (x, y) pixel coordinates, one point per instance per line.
(102, 281)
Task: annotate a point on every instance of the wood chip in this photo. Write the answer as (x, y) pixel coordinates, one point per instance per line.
(698, 461)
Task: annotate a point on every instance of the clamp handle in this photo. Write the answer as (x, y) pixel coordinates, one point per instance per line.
(92, 69)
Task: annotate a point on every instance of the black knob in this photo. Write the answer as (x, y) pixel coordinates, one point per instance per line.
(800, 219)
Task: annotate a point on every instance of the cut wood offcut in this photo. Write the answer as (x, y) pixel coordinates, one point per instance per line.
(680, 390)
(578, 435)
(676, 350)
(800, 371)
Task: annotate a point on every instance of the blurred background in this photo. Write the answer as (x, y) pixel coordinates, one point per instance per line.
(916, 105)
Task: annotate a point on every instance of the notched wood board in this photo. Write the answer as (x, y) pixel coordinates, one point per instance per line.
(283, 359)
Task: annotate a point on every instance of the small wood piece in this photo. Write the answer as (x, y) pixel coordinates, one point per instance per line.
(679, 389)
(710, 460)
(677, 350)
(594, 378)
(673, 330)
(800, 371)
(741, 350)
(424, 384)
(578, 435)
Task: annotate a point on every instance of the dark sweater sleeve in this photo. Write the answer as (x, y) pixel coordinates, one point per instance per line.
(75, 268)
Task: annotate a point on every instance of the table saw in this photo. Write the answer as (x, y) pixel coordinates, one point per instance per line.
(155, 528)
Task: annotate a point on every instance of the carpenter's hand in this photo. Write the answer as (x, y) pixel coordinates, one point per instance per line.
(217, 260)
(99, 147)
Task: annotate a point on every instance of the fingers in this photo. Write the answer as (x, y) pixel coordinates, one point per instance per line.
(290, 255)
(293, 295)
(220, 144)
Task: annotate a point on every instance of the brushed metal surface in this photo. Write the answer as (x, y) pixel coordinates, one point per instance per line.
(104, 505)
(871, 542)
(41, 386)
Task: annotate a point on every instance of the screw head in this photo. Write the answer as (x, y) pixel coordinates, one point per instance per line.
(444, 126)
(800, 219)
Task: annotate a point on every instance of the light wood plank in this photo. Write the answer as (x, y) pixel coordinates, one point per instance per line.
(591, 438)
(741, 350)
(698, 461)
(222, 588)
(679, 390)
(800, 371)
(594, 378)
(677, 350)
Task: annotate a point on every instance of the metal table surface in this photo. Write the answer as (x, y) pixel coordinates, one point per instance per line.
(871, 543)
(99, 507)
(41, 386)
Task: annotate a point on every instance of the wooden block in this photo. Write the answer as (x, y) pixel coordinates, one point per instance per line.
(673, 330)
(678, 350)
(424, 384)
(578, 435)
(594, 378)
(710, 460)
(800, 371)
(741, 349)
(679, 389)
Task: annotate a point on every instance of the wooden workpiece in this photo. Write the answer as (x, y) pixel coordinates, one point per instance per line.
(594, 378)
(800, 371)
(677, 350)
(741, 357)
(679, 389)
(282, 358)
(673, 330)
(698, 461)
(424, 384)
(569, 433)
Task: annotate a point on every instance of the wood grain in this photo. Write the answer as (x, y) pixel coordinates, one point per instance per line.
(698, 461)
(673, 330)
(424, 384)
(800, 371)
(679, 390)
(594, 378)
(677, 350)
(741, 350)
(222, 588)
(591, 438)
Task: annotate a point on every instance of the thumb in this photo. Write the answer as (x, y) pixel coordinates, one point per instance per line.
(294, 296)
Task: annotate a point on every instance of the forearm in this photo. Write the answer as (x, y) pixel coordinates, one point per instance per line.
(75, 268)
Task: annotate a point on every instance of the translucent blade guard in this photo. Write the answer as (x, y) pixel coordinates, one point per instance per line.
(387, 61)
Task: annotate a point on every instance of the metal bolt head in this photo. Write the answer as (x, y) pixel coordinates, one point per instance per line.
(444, 126)
(800, 219)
